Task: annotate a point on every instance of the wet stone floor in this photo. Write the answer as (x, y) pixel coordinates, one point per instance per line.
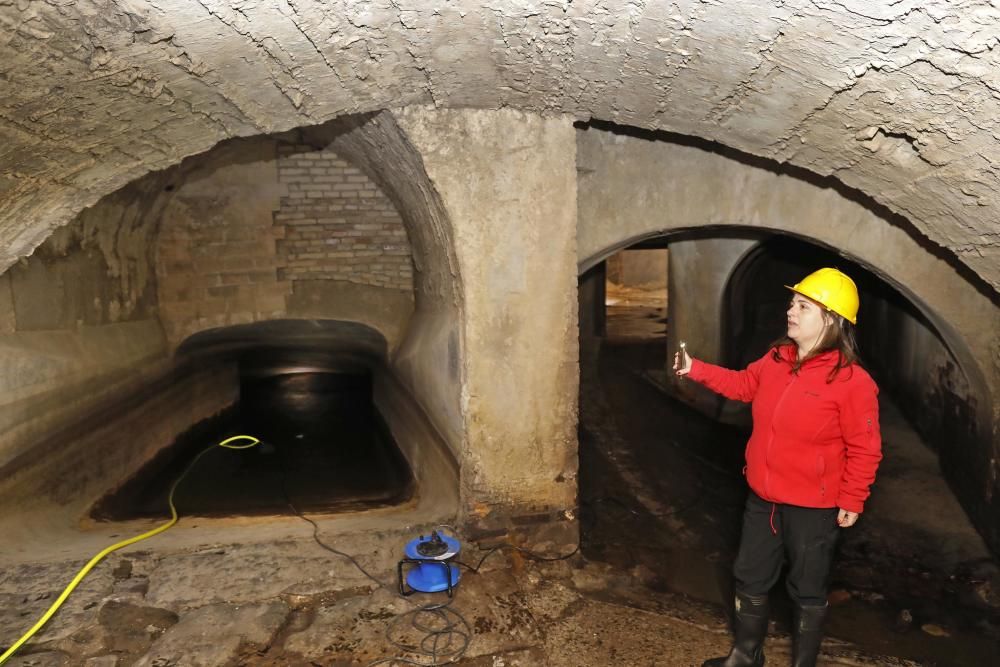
(661, 487)
(292, 603)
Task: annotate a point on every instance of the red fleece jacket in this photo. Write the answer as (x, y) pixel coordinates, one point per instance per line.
(814, 444)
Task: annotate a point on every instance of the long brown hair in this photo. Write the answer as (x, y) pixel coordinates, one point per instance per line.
(839, 337)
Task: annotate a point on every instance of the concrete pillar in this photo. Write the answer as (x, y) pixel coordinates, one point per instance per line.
(645, 268)
(593, 293)
(696, 282)
(507, 181)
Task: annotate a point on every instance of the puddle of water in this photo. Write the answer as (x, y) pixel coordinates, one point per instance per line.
(874, 628)
(323, 445)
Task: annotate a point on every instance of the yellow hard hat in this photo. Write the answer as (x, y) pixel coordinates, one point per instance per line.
(833, 289)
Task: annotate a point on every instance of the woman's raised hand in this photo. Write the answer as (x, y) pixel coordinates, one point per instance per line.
(682, 362)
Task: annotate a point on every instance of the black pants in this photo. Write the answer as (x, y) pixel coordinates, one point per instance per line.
(771, 532)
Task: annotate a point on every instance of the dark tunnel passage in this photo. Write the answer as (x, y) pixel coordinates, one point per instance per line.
(896, 340)
(916, 362)
(661, 489)
(324, 448)
(308, 396)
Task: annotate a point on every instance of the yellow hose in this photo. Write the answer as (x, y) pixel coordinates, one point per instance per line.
(124, 543)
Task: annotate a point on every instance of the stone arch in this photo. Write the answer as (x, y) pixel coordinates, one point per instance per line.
(753, 238)
(332, 341)
(977, 392)
(633, 189)
(132, 358)
(423, 345)
(525, 186)
(149, 84)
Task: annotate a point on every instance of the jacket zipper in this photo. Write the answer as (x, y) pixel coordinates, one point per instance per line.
(822, 472)
(770, 439)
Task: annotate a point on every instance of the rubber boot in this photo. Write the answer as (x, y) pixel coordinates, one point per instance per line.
(807, 634)
(749, 628)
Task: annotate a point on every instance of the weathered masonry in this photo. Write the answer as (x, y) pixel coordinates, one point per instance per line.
(442, 174)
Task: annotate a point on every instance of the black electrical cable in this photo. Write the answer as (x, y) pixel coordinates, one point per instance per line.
(446, 636)
(448, 629)
(444, 641)
(315, 533)
(530, 554)
(349, 557)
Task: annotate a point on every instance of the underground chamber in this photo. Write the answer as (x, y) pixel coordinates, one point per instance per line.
(327, 414)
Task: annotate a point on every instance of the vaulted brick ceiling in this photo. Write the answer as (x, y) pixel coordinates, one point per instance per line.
(898, 99)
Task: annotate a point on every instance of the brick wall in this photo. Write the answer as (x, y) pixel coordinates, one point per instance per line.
(257, 221)
(216, 263)
(337, 224)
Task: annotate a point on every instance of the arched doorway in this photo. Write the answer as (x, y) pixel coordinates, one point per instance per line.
(667, 477)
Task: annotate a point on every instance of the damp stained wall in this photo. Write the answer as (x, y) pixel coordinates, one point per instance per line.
(88, 390)
(505, 186)
(633, 188)
(89, 322)
(507, 183)
(696, 285)
(917, 362)
(79, 322)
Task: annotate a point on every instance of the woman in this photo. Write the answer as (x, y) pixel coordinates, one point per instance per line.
(810, 460)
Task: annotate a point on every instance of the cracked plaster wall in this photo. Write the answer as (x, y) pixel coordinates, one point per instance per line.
(897, 99)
